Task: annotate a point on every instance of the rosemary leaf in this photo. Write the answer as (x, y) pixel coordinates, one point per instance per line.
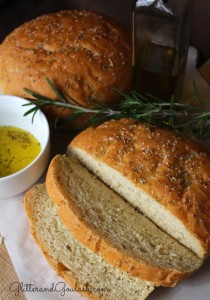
(72, 100)
(30, 111)
(58, 117)
(57, 93)
(142, 107)
(73, 116)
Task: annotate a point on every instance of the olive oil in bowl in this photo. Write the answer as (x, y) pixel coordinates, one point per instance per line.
(18, 148)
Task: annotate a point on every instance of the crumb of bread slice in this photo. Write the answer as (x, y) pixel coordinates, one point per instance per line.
(162, 173)
(111, 227)
(81, 268)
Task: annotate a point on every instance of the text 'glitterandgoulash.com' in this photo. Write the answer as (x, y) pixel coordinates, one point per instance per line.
(61, 287)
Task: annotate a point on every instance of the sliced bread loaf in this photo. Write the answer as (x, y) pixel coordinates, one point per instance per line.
(162, 173)
(84, 270)
(111, 227)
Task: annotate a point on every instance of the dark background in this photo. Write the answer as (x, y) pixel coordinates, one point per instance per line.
(15, 12)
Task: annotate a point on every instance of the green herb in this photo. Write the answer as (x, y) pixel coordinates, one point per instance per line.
(143, 107)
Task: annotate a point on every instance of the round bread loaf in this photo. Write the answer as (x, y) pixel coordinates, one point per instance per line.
(85, 54)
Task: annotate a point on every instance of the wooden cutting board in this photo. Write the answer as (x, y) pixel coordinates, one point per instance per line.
(7, 275)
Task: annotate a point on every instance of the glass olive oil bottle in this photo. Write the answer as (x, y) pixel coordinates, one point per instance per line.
(160, 46)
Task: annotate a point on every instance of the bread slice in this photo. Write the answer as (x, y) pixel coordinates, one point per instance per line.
(84, 270)
(111, 227)
(160, 172)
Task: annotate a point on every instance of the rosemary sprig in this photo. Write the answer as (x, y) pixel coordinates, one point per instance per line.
(143, 107)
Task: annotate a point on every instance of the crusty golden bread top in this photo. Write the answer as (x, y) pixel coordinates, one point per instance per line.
(84, 53)
(171, 168)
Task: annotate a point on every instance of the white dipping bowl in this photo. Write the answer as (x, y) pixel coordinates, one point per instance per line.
(11, 114)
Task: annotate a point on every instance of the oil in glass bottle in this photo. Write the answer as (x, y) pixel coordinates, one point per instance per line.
(160, 46)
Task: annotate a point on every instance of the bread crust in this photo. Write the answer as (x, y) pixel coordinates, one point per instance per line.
(173, 169)
(59, 270)
(97, 243)
(63, 271)
(84, 53)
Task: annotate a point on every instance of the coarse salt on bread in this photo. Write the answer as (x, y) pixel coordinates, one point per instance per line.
(84, 53)
(160, 172)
